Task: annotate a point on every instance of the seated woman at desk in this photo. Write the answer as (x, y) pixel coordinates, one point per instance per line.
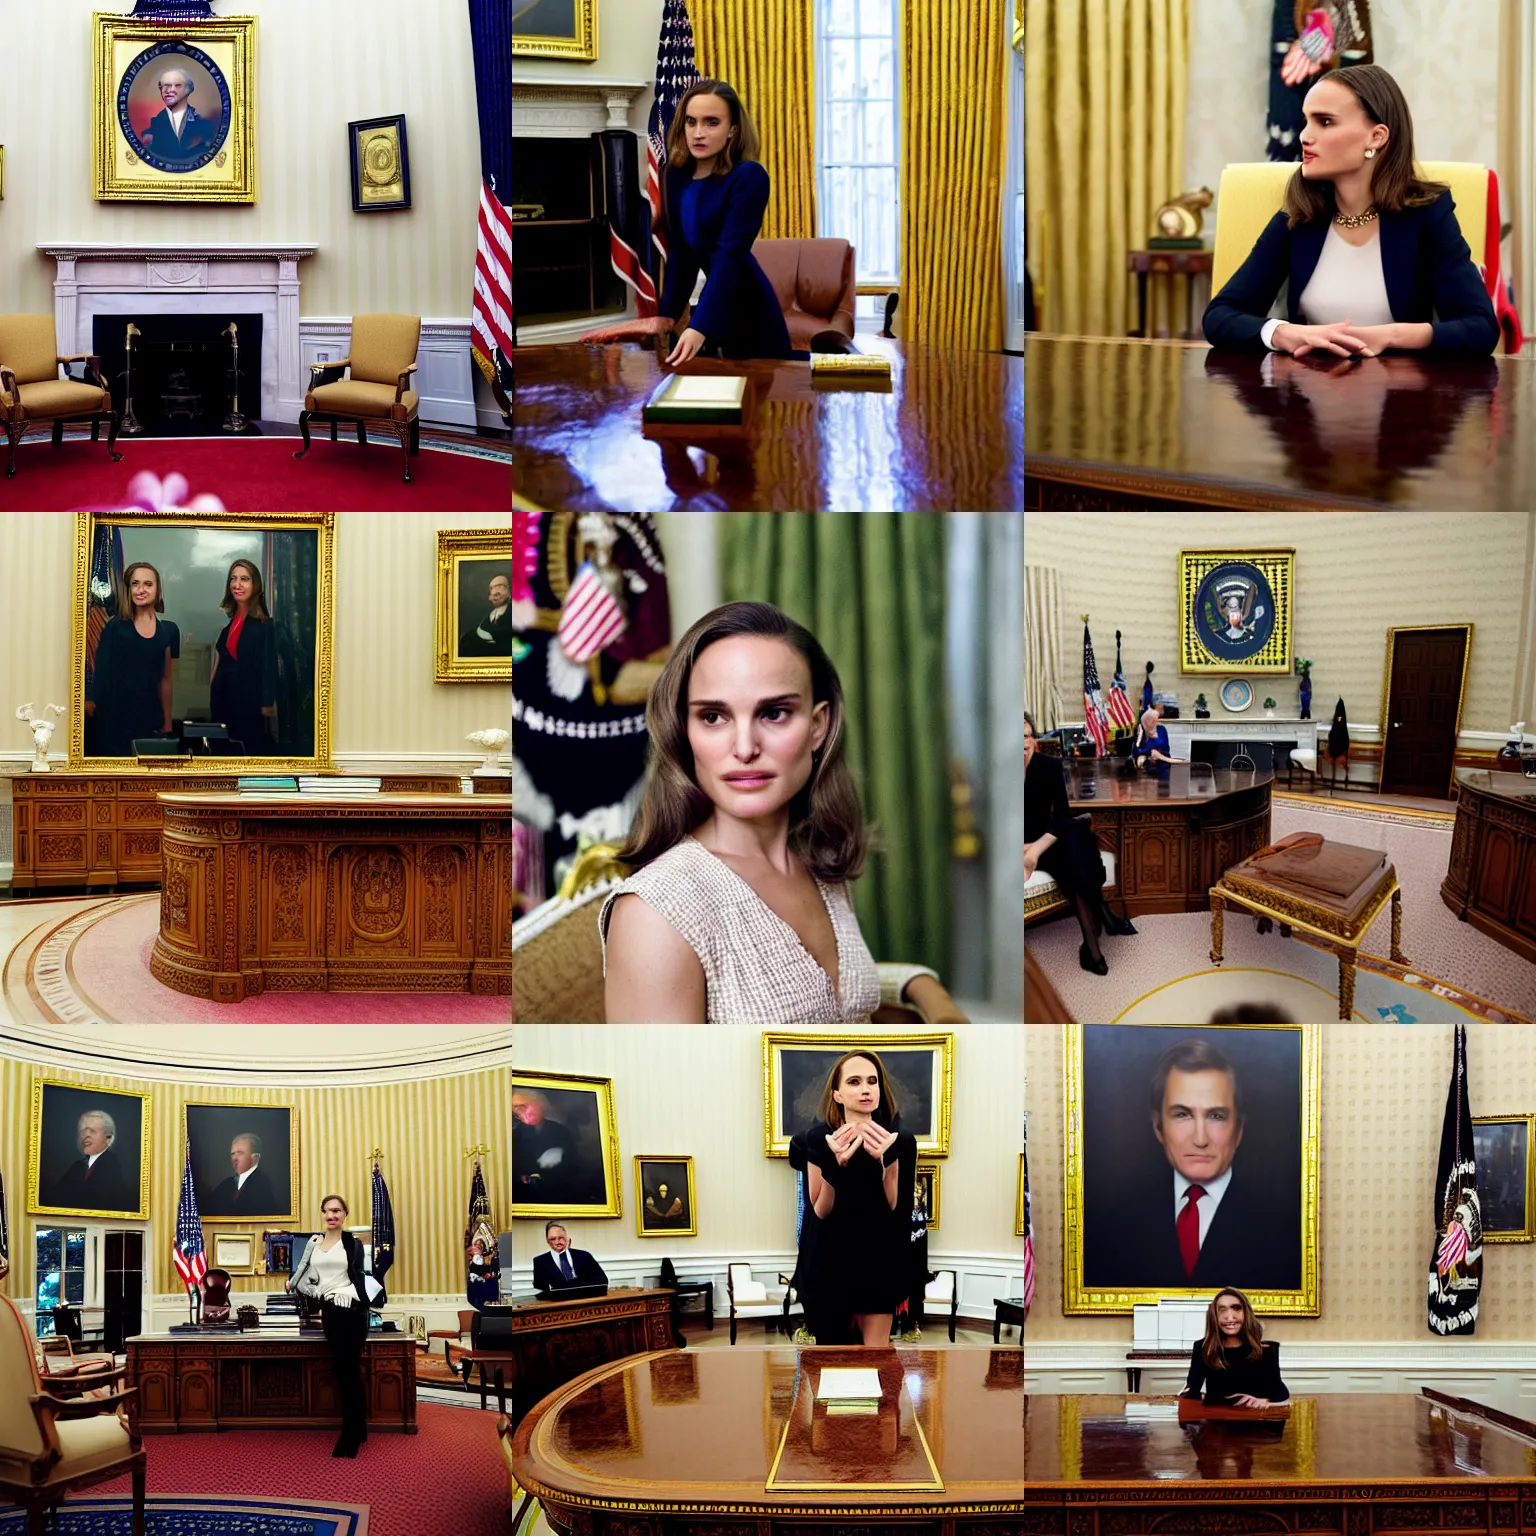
(1233, 1364)
(1151, 744)
(1372, 252)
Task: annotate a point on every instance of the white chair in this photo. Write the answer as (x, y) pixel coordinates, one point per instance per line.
(943, 1292)
(1304, 757)
(751, 1298)
(1042, 896)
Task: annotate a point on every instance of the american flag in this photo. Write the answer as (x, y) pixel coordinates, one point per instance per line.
(187, 1251)
(106, 572)
(1029, 1235)
(490, 25)
(590, 617)
(1119, 702)
(383, 1233)
(1093, 698)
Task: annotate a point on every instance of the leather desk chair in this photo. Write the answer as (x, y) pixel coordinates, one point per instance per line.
(815, 283)
(33, 395)
(216, 1303)
(381, 357)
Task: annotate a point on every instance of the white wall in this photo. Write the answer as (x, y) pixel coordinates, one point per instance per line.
(627, 34)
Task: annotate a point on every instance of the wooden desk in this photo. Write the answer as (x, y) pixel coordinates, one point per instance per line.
(315, 893)
(555, 1341)
(943, 434)
(495, 1366)
(1112, 423)
(673, 1443)
(1491, 882)
(214, 1381)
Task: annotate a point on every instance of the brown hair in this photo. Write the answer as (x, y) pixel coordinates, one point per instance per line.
(1252, 1334)
(1395, 182)
(257, 608)
(831, 1111)
(826, 826)
(1029, 720)
(1191, 1056)
(125, 597)
(346, 1209)
(741, 144)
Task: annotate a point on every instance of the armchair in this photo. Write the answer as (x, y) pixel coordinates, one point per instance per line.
(49, 1446)
(943, 1290)
(751, 1298)
(33, 395)
(814, 281)
(381, 359)
(216, 1303)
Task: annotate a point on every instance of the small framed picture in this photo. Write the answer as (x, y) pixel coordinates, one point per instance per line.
(664, 1197)
(925, 1193)
(88, 1151)
(474, 606)
(381, 164)
(245, 1161)
(1506, 1160)
(235, 1252)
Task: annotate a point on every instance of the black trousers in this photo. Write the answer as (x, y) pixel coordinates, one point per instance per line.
(346, 1331)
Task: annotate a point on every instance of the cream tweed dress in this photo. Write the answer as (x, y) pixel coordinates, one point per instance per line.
(756, 970)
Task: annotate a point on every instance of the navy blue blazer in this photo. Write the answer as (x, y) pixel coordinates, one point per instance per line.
(1424, 258)
(711, 223)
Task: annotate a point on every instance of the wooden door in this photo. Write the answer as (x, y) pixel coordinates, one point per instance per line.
(1423, 699)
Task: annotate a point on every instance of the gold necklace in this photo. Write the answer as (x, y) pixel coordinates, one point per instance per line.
(1355, 220)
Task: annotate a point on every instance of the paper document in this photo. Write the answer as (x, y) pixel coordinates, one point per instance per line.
(848, 1384)
(705, 389)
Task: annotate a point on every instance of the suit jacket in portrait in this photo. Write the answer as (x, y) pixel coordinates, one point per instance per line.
(473, 643)
(547, 1275)
(101, 1188)
(256, 1195)
(1130, 1241)
(198, 136)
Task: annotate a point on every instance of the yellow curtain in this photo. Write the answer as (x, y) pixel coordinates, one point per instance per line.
(766, 50)
(953, 113)
(1105, 85)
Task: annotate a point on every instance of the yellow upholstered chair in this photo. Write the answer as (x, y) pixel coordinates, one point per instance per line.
(557, 958)
(33, 395)
(1252, 194)
(49, 1446)
(382, 357)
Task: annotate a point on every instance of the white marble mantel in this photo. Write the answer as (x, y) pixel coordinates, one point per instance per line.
(570, 109)
(107, 278)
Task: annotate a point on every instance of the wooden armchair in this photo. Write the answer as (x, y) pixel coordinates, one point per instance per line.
(381, 359)
(33, 395)
(49, 1446)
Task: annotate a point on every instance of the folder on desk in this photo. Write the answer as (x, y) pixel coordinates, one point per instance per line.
(699, 397)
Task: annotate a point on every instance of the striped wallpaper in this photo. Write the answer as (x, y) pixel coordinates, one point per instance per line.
(422, 1128)
(385, 700)
(319, 66)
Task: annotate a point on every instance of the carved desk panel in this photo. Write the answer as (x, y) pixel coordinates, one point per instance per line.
(1491, 881)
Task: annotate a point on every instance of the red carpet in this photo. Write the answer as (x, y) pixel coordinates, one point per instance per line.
(447, 1480)
(260, 474)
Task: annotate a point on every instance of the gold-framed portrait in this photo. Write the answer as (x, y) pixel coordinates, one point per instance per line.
(88, 1151)
(1235, 610)
(565, 1146)
(1191, 1162)
(245, 1161)
(1505, 1149)
(474, 606)
(925, 1193)
(174, 110)
(555, 29)
(664, 1200)
(271, 711)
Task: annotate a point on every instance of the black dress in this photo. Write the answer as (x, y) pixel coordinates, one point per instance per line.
(1073, 861)
(1243, 1376)
(243, 686)
(125, 685)
(866, 1257)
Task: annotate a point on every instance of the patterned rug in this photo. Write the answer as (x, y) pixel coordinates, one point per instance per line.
(113, 1516)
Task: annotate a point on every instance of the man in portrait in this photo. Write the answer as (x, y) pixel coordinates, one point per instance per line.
(564, 1266)
(1195, 1215)
(491, 635)
(547, 1165)
(95, 1181)
(177, 131)
(247, 1189)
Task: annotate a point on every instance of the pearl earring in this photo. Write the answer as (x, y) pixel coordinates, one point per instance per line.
(1370, 154)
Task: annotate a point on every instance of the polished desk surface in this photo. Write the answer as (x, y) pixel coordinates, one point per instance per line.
(1074, 1441)
(1179, 423)
(944, 433)
(705, 1425)
(615, 1293)
(1507, 786)
(1098, 782)
(452, 805)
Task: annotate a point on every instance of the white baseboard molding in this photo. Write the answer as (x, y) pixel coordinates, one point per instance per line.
(464, 762)
(445, 375)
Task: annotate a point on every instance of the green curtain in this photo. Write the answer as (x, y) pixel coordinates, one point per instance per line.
(870, 587)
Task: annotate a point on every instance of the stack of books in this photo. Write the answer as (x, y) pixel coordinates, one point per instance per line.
(338, 784)
(267, 784)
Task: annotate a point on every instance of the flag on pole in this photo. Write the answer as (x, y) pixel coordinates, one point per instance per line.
(675, 72)
(1456, 1261)
(187, 1250)
(106, 572)
(383, 1227)
(1029, 1233)
(1093, 697)
(5, 1240)
(490, 27)
(1119, 701)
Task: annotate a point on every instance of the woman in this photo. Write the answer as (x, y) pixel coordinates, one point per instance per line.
(747, 835)
(1051, 844)
(130, 689)
(715, 191)
(1151, 743)
(244, 676)
(331, 1272)
(1232, 1362)
(1372, 251)
(862, 1167)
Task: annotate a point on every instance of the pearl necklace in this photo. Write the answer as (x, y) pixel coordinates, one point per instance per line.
(1355, 220)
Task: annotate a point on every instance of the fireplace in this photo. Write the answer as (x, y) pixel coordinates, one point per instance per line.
(182, 369)
(561, 267)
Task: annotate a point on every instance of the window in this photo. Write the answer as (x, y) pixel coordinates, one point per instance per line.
(60, 1273)
(857, 133)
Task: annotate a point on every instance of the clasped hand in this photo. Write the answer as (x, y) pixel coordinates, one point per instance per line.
(847, 1140)
(1346, 340)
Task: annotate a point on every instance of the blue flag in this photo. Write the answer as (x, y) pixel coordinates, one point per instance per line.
(383, 1227)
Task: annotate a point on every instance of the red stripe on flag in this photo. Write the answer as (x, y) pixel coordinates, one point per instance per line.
(1029, 1271)
(589, 621)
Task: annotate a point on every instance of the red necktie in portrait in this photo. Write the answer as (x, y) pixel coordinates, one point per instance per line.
(88, 1170)
(1188, 1229)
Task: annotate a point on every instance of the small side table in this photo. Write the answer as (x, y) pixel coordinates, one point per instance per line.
(1186, 263)
(1008, 1311)
(1135, 1358)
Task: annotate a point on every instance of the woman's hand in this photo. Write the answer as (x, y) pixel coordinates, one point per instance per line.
(877, 1140)
(629, 330)
(844, 1142)
(1031, 858)
(687, 347)
(1343, 340)
(1242, 1400)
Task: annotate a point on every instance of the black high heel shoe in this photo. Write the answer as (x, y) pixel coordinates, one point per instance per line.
(1099, 967)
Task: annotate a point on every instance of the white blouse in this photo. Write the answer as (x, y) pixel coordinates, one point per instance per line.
(331, 1267)
(1347, 283)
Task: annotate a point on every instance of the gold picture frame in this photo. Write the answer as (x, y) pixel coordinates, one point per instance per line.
(1526, 1231)
(468, 645)
(136, 155)
(590, 1181)
(324, 526)
(656, 1168)
(555, 29)
(929, 1172)
(1021, 1201)
(2, 173)
(1260, 640)
(234, 1252)
(1382, 728)
(56, 1102)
